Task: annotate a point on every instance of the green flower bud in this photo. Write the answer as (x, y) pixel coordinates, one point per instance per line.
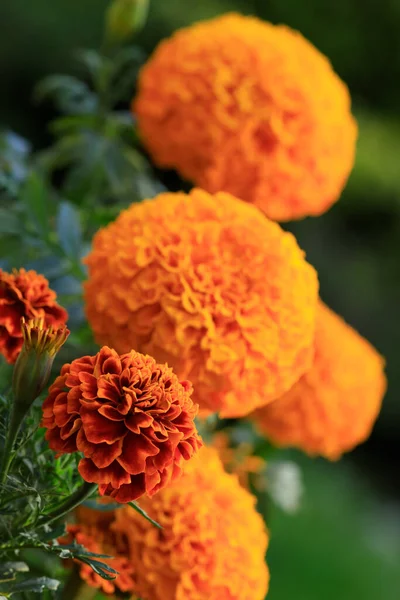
(33, 366)
(124, 18)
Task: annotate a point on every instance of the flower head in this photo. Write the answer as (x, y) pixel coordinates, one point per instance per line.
(212, 542)
(35, 360)
(129, 416)
(334, 406)
(25, 294)
(254, 109)
(211, 286)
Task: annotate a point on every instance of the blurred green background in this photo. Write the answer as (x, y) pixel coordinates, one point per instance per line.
(345, 542)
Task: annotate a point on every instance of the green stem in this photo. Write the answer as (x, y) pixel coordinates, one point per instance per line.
(14, 425)
(70, 503)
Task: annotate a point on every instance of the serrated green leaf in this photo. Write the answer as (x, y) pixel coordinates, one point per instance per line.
(9, 570)
(10, 222)
(54, 533)
(70, 94)
(105, 571)
(35, 198)
(144, 514)
(37, 584)
(69, 230)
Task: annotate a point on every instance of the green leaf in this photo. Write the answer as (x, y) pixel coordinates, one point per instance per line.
(9, 570)
(105, 571)
(144, 514)
(37, 584)
(70, 94)
(69, 230)
(36, 198)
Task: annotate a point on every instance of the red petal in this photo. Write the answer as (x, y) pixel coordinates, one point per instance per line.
(110, 412)
(102, 455)
(70, 428)
(108, 389)
(114, 474)
(136, 421)
(136, 449)
(100, 430)
(127, 493)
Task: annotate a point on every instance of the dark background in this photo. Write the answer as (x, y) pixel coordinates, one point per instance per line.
(345, 543)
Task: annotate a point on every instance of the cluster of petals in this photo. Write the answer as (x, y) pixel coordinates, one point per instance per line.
(210, 285)
(239, 105)
(131, 418)
(334, 406)
(25, 294)
(211, 546)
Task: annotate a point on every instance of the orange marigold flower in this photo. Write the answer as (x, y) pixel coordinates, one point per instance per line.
(129, 416)
(212, 542)
(25, 294)
(250, 108)
(334, 406)
(210, 285)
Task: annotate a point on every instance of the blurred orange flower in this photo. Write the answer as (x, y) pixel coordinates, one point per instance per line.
(210, 285)
(334, 406)
(212, 542)
(129, 416)
(25, 294)
(254, 109)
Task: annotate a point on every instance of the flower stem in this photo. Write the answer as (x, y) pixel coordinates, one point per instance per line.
(70, 503)
(16, 418)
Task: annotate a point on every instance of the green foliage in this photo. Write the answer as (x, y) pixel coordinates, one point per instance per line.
(342, 543)
(144, 514)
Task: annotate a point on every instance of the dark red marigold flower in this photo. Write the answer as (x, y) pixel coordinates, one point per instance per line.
(130, 417)
(25, 294)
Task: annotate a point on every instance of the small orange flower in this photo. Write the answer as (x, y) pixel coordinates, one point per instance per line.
(25, 294)
(97, 539)
(254, 109)
(129, 416)
(210, 285)
(212, 542)
(35, 360)
(334, 406)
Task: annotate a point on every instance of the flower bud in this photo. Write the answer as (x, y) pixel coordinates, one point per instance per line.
(34, 362)
(125, 17)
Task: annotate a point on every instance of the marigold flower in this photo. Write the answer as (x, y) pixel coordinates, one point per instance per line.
(334, 406)
(254, 109)
(211, 286)
(129, 416)
(96, 539)
(25, 294)
(212, 542)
